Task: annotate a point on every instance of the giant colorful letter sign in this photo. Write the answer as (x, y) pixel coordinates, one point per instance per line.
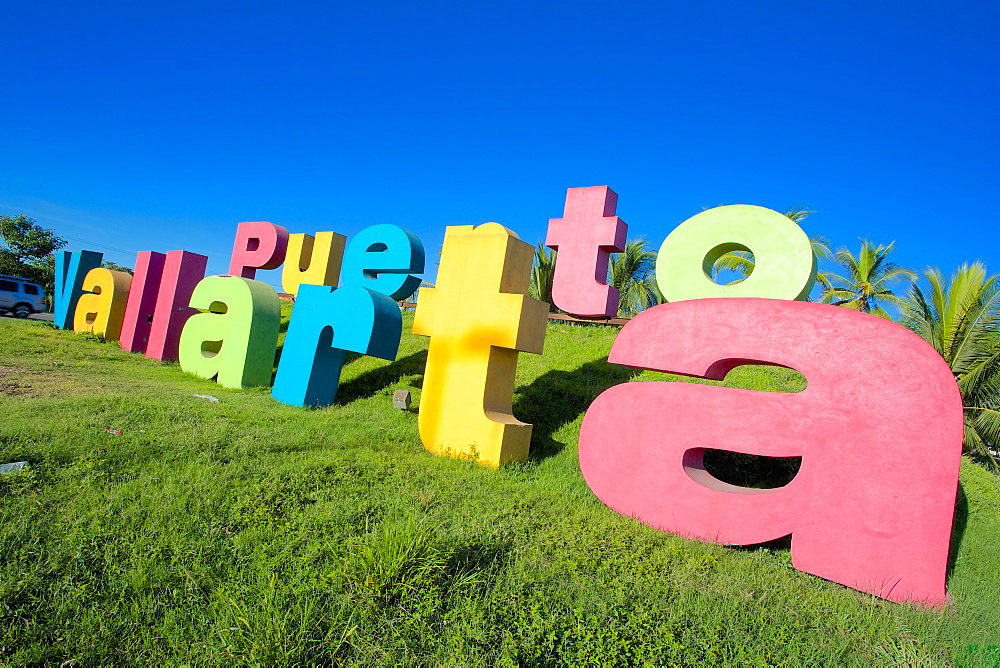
(181, 272)
(879, 429)
(139, 309)
(313, 261)
(71, 268)
(381, 258)
(478, 318)
(327, 323)
(785, 267)
(584, 238)
(257, 246)
(101, 307)
(235, 333)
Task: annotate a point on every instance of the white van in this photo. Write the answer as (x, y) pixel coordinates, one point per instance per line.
(20, 297)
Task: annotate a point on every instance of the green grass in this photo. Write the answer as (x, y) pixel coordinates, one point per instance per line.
(249, 532)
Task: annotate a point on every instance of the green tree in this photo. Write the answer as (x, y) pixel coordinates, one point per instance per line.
(46, 276)
(108, 264)
(960, 317)
(866, 280)
(742, 262)
(28, 249)
(543, 269)
(633, 273)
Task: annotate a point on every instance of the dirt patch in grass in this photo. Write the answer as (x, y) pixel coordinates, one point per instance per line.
(13, 389)
(18, 382)
(11, 382)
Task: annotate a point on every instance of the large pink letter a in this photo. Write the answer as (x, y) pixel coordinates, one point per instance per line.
(879, 429)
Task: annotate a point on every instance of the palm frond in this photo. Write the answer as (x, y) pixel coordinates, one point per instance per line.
(543, 270)
(976, 328)
(867, 276)
(797, 214)
(742, 262)
(980, 384)
(631, 272)
(982, 433)
(960, 317)
(821, 247)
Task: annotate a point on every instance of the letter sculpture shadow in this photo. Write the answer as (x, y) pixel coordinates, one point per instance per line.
(478, 318)
(879, 429)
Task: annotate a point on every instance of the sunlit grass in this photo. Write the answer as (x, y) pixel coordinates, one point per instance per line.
(250, 532)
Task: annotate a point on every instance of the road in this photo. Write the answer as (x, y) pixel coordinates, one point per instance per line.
(47, 317)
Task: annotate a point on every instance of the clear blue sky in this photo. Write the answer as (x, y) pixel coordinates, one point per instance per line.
(159, 126)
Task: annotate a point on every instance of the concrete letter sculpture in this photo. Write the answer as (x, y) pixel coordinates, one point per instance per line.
(584, 238)
(138, 319)
(181, 272)
(329, 321)
(785, 267)
(257, 246)
(478, 318)
(312, 261)
(382, 258)
(235, 333)
(879, 429)
(101, 307)
(71, 269)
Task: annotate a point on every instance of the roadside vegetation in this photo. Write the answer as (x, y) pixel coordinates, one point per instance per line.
(960, 317)
(155, 527)
(27, 250)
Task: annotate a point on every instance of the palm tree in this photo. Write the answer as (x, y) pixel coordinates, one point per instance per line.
(632, 273)
(742, 262)
(866, 280)
(543, 269)
(960, 317)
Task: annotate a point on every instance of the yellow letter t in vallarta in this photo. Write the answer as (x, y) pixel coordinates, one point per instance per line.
(478, 318)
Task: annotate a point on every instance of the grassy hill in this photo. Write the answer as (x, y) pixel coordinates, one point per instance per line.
(250, 532)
